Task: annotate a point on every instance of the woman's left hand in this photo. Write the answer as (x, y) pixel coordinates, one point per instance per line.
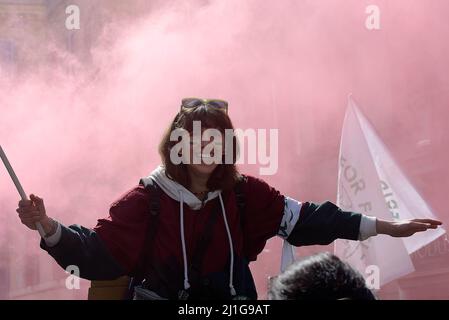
(405, 228)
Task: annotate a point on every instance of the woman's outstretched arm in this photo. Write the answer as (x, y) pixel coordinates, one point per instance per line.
(269, 213)
(106, 252)
(324, 223)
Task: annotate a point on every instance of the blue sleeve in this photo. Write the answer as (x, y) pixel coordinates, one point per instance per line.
(323, 223)
(83, 248)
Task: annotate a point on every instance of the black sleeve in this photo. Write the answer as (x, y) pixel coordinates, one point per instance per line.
(83, 248)
(324, 223)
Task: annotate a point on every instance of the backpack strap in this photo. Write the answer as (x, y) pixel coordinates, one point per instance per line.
(240, 196)
(155, 200)
(154, 210)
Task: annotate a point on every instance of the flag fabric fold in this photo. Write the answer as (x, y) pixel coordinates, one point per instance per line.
(370, 182)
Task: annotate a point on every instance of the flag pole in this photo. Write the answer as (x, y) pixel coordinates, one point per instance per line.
(18, 185)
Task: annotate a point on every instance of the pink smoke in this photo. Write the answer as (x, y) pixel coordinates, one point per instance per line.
(82, 137)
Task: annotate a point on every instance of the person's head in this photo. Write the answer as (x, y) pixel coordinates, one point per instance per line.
(320, 277)
(202, 114)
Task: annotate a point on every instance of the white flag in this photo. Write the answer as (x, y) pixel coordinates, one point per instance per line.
(370, 182)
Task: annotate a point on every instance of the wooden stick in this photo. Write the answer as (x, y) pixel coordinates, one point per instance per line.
(16, 181)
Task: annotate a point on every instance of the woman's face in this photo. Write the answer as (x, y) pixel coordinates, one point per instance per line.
(198, 148)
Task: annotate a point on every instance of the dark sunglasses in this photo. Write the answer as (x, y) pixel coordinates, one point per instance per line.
(189, 103)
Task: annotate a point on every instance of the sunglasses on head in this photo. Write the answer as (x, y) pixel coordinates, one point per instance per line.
(189, 103)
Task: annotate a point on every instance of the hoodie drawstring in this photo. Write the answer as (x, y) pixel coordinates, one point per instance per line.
(184, 251)
(231, 248)
(183, 241)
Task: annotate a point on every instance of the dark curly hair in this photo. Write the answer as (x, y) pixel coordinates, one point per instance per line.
(320, 277)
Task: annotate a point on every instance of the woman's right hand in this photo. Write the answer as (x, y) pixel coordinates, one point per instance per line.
(33, 211)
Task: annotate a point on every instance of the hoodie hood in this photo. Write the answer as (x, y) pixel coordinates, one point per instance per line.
(173, 189)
